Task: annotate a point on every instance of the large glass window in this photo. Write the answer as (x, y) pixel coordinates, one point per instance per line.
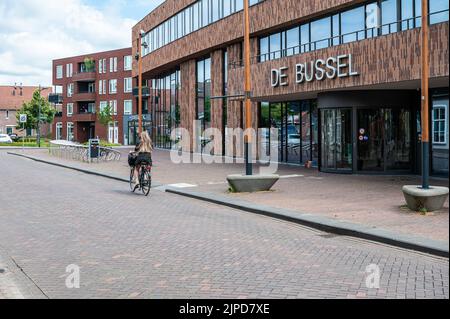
(197, 15)
(264, 49)
(292, 41)
(435, 7)
(227, 7)
(351, 22)
(215, 10)
(366, 21)
(407, 12)
(204, 94)
(275, 46)
(321, 33)
(305, 38)
(389, 16)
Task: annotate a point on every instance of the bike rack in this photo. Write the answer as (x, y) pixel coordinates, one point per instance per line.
(78, 152)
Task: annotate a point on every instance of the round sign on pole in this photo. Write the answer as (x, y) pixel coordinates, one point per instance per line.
(23, 118)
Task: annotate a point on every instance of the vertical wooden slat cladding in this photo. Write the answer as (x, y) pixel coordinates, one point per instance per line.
(217, 86)
(270, 14)
(187, 95)
(386, 59)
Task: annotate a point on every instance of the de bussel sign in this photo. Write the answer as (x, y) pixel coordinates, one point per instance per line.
(331, 68)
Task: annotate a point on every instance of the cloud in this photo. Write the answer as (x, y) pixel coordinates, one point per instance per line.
(34, 32)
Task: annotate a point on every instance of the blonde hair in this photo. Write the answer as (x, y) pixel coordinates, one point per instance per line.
(146, 145)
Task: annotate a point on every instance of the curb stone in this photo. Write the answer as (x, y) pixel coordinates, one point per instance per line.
(420, 244)
(78, 169)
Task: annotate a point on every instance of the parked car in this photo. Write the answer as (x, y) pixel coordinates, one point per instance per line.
(4, 138)
(14, 137)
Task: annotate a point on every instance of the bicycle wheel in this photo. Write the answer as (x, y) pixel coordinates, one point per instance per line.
(132, 185)
(146, 181)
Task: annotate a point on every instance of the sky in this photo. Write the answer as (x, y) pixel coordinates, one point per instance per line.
(34, 32)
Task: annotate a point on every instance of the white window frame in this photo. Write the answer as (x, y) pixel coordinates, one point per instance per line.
(70, 124)
(100, 66)
(113, 106)
(69, 109)
(128, 63)
(59, 72)
(103, 105)
(100, 87)
(59, 126)
(113, 64)
(70, 88)
(127, 85)
(128, 107)
(104, 65)
(445, 107)
(69, 70)
(113, 86)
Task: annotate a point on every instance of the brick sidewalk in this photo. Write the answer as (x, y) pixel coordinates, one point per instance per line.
(370, 200)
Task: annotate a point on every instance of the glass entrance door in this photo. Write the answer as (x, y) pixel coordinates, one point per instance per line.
(337, 143)
(384, 140)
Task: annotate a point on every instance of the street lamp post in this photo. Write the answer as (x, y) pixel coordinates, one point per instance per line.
(248, 111)
(139, 58)
(425, 97)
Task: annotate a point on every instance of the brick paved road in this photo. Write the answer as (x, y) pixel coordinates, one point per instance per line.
(165, 246)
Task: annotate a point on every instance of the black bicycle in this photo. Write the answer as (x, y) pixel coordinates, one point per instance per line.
(145, 178)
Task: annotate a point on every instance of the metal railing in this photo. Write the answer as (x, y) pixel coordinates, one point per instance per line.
(78, 152)
(368, 33)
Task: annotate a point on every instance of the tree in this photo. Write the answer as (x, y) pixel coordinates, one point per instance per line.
(105, 116)
(31, 109)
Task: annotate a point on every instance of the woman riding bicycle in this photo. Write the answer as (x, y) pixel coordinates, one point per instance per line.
(142, 155)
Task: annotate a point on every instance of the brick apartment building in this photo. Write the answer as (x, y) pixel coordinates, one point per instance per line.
(89, 83)
(340, 79)
(12, 99)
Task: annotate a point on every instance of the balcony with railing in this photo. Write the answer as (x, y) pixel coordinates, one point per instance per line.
(85, 73)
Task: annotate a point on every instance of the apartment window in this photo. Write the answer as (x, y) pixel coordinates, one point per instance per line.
(59, 131)
(100, 66)
(70, 90)
(70, 132)
(440, 127)
(127, 85)
(7, 115)
(128, 63)
(69, 70)
(104, 86)
(112, 86)
(100, 87)
(59, 71)
(104, 65)
(112, 65)
(127, 107)
(103, 105)
(69, 109)
(113, 106)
